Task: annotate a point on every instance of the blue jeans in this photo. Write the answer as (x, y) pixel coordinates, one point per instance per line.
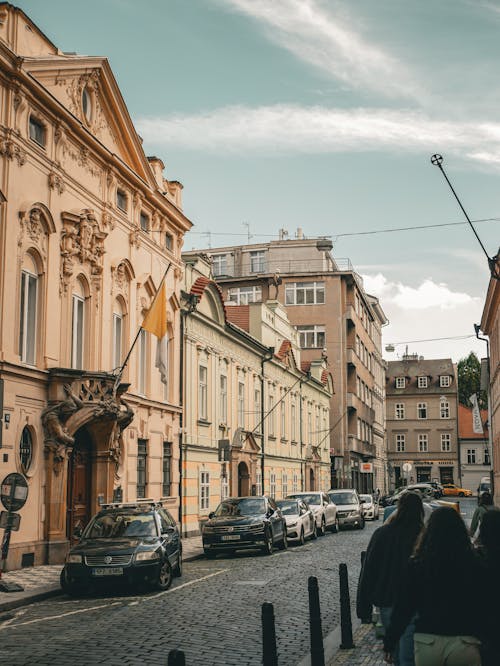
(404, 654)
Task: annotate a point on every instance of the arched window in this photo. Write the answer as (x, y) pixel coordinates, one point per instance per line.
(78, 326)
(28, 311)
(26, 449)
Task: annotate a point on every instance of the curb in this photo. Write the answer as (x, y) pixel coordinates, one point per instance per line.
(331, 644)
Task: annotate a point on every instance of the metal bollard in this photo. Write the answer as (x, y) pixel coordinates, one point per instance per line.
(317, 649)
(176, 658)
(345, 610)
(269, 649)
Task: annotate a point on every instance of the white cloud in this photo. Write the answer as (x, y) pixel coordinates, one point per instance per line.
(317, 129)
(317, 37)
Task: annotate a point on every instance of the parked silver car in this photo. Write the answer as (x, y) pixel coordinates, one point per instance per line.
(349, 507)
(370, 507)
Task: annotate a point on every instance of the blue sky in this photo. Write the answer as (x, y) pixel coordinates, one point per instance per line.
(322, 115)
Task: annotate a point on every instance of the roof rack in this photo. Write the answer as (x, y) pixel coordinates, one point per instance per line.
(124, 505)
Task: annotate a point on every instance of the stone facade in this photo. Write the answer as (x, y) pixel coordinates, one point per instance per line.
(88, 227)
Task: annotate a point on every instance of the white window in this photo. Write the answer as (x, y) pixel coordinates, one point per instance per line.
(445, 442)
(311, 336)
(444, 409)
(284, 484)
(258, 482)
(273, 485)
(224, 487)
(304, 293)
(444, 381)
(295, 483)
(400, 410)
(257, 262)
(400, 442)
(77, 332)
(271, 415)
(423, 443)
(28, 314)
(400, 382)
(422, 410)
(117, 337)
(257, 406)
(245, 295)
(241, 404)
(143, 353)
(202, 392)
(219, 264)
(223, 398)
(293, 417)
(471, 456)
(283, 419)
(422, 382)
(204, 490)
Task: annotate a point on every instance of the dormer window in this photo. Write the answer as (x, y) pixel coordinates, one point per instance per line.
(87, 105)
(121, 200)
(400, 382)
(144, 222)
(444, 381)
(38, 132)
(422, 382)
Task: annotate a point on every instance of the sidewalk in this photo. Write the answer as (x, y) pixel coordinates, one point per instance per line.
(367, 650)
(43, 581)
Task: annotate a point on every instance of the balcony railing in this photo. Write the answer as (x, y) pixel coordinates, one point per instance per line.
(285, 266)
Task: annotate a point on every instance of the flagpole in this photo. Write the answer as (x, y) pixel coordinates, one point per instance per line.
(122, 368)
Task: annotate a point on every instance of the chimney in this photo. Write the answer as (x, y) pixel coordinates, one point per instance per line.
(300, 234)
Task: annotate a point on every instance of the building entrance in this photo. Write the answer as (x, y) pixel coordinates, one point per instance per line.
(446, 474)
(243, 480)
(79, 483)
(423, 474)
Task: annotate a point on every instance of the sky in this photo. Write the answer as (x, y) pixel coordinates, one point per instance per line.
(323, 115)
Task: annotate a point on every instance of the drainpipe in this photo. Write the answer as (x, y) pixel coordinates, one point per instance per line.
(181, 417)
(477, 328)
(267, 357)
(302, 463)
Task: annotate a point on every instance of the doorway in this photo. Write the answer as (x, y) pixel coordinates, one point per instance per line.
(79, 483)
(243, 480)
(311, 480)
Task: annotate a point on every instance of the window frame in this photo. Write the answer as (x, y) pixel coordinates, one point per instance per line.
(400, 382)
(296, 293)
(28, 317)
(471, 457)
(77, 331)
(166, 469)
(223, 397)
(245, 295)
(423, 443)
(142, 362)
(121, 198)
(202, 392)
(444, 409)
(219, 261)
(316, 330)
(241, 404)
(400, 442)
(144, 221)
(444, 381)
(37, 130)
(399, 411)
(422, 411)
(445, 439)
(142, 468)
(26, 461)
(258, 261)
(204, 490)
(422, 381)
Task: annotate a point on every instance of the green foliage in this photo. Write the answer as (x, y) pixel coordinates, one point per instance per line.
(469, 378)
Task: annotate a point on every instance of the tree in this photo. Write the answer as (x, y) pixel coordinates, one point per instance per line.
(469, 379)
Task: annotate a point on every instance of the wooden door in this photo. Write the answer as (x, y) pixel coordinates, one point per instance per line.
(79, 474)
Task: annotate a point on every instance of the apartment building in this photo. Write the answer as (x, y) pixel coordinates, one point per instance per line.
(422, 420)
(88, 227)
(256, 418)
(326, 302)
(474, 448)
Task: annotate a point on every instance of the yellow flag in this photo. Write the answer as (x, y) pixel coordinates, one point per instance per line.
(155, 322)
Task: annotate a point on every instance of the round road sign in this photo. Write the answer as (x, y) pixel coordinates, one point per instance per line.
(14, 491)
(407, 467)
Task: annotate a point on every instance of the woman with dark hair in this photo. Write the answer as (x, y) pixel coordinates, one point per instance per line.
(489, 549)
(441, 587)
(384, 566)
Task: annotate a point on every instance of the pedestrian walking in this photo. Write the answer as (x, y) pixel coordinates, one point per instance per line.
(485, 504)
(441, 587)
(489, 550)
(384, 567)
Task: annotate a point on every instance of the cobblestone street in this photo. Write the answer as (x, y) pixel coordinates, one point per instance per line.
(212, 612)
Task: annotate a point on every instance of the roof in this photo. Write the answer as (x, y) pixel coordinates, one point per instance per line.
(239, 315)
(465, 430)
(198, 289)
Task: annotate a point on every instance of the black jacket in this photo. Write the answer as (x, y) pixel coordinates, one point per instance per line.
(385, 563)
(445, 606)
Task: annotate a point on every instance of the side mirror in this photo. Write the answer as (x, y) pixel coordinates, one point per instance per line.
(211, 514)
(77, 532)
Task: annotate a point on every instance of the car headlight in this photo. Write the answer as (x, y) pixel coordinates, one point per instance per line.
(73, 559)
(292, 524)
(147, 555)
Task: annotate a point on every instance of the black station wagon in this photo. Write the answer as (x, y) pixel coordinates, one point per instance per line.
(137, 543)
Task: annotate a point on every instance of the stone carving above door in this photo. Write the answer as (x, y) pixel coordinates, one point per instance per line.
(82, 242)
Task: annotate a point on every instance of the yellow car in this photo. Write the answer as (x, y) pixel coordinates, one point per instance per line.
(452, 489)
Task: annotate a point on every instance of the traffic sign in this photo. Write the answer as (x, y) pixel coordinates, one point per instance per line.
(14, 491)
(407, 467)
(10, 521)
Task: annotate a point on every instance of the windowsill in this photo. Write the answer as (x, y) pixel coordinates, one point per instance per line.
(204, 423)
(284, 440)
(273, 437)
(294, 442)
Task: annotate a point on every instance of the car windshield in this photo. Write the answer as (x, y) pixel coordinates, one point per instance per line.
(366, 498)
(243, 507)
(289, 508)
(343, 498)
(112, 525)
(313, 498)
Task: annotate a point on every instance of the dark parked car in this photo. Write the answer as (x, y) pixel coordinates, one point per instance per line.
(244, 522)
(131, 543)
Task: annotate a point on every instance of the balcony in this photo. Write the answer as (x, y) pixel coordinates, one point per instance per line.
(362, 447)
(351, 356)
(363, 411)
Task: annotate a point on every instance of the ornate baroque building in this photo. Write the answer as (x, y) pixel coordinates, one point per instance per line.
(88, 227)
(256, 418)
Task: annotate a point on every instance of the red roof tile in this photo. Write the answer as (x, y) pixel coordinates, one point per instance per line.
(239, 315)
(465, 423)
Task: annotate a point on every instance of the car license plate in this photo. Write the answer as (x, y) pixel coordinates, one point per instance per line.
(231, 537)
(108, 571)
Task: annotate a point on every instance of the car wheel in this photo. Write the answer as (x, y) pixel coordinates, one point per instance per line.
(362, 524)
(72, 589)
(322, 529)
(336, 526)
(210, 554)
(164, 580)
(302, 539)
(314, 534)
(283, 545)
(267, 549)
(178, 567)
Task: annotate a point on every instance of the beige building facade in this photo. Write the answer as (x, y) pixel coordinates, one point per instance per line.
(88, 228)
(422, 426)
(255, 421)
(326, 302)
